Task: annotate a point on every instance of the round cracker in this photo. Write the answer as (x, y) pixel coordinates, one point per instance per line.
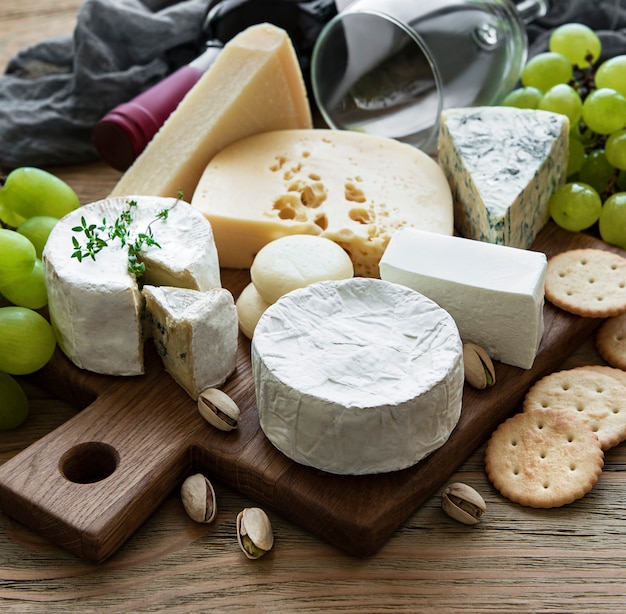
(597, 398)
(618, 374)
(543, 458)
(611, 341)
(587, 282)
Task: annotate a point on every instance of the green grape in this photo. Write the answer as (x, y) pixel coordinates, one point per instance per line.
(612, 74)
(612, 224)
(596, 171)
(575, 206)
(13, 403)
(575, 157)
(37, 229)
(563, 99)
(577, 42)
(604, 111)
(30, 191)
(17, 256)
(30, 291)
(27, 340)
(546, 70)
(522, 98)
(615, 149)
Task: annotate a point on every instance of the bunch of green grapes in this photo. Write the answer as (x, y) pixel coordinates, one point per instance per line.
(31, 202)
(569, 79)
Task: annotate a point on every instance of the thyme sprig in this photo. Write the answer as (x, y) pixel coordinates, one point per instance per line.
(97, 237)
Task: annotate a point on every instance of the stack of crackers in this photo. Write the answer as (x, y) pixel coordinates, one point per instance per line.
(552, 453)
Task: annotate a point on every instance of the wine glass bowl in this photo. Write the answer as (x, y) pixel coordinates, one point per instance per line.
(389, 67)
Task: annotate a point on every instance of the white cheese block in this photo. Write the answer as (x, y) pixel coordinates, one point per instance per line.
(355, 189)
(195, 334)
(95, 305)
(254, 85)
(357, 376)
(494, 293)
(503, 164)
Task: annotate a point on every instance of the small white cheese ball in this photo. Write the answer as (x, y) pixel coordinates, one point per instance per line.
(250, 307)
(295, 261)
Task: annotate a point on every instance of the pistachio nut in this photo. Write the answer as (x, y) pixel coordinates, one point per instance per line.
(254, 532)
(199, 498)
(463, 503)
(218, 409)
(479, 369)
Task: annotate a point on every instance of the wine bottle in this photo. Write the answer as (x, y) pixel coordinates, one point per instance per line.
(123, 133)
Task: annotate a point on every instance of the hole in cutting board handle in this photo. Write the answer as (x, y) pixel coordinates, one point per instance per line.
(89, 462)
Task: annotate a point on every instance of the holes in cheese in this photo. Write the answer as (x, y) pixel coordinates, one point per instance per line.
(355, 189)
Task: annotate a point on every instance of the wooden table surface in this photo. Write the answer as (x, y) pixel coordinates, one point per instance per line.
(571, 559)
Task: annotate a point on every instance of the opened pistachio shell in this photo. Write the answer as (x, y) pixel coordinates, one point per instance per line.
(479, 370)
(218, 409)
(254, 532)
(198, 498)
(463, 503)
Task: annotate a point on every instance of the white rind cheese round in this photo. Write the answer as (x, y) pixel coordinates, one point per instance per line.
(357, 376)
(95, 306)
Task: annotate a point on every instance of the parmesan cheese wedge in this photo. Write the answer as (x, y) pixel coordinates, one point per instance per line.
(255, 85)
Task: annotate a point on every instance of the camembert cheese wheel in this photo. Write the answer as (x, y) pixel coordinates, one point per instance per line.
(95, 305)
(355, 189)
(357, 376)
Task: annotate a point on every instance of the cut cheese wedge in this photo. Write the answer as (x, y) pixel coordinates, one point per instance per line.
(355, 189)
(96, 307)
(195, 334)
(255, 85)
(503, 164)
(357, 376)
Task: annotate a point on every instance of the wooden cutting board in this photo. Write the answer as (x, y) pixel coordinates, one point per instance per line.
(93, 481)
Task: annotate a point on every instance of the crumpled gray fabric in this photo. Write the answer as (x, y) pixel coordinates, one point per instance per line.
(53, 93)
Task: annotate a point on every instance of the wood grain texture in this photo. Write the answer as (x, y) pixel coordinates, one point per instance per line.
(571, 559)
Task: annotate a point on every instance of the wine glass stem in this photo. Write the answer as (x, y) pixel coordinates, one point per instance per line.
(529, 10)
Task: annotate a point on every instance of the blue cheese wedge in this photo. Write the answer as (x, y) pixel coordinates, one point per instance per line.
(503, 164)
(494, 293)
(96, 307)
(195, 334)
(357, 376)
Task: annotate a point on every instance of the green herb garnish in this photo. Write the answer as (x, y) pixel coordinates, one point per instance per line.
(98, 237)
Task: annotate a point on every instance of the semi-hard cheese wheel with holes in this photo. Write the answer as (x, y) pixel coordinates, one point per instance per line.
(355, 189)
(357, 376)
(95, 305)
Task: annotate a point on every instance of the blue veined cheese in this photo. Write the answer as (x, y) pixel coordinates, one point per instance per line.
(495, 293)
(357, 376)
(195, 334)
(503, 164)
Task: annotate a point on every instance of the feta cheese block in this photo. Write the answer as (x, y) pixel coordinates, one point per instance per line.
(357, 376)
(95, 306)
(195, 334)
(254, 85)
(503, 164)
(355, 189)
(495, 293)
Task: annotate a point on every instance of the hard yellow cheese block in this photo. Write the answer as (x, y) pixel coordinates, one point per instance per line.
(255, 85)
(355, 189)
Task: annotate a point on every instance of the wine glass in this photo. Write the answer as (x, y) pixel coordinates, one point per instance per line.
(389, 67)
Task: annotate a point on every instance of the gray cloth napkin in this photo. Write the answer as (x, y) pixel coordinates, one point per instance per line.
(53, 93)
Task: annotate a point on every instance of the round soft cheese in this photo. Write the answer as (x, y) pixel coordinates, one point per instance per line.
(295, 261)
(95, 305)
(357, 376)
(250, 307)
